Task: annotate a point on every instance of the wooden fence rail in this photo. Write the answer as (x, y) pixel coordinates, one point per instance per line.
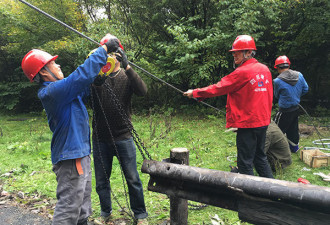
(257, 200)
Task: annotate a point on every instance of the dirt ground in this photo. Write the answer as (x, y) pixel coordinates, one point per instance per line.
(18, 209)
(15, 215)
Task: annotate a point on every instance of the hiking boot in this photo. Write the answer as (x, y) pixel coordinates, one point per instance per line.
(142, 222)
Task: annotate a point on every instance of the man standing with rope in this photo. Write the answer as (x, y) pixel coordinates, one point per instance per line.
(63, 101)
(289, 86)
(249, 103)
(112, 134)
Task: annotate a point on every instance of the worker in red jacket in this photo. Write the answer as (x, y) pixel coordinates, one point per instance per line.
(249, 103)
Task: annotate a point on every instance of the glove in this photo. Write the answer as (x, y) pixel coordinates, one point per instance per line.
(99, 80)
(111, 42)
(112, 45)
(121, 57)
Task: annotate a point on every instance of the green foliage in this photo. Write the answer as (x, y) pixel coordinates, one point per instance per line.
(321, 111)
(23, 29)
(304, 38)
(185, 43)
(19, 97)
(198, 52)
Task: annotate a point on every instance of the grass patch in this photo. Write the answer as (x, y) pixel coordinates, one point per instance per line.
(25, 150)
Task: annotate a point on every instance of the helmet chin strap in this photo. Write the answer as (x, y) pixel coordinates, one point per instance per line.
(51, 73)
(244, 59)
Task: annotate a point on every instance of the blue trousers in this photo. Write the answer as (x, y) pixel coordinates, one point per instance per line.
(103, 154)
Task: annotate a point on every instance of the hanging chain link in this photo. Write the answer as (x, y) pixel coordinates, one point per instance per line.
(136, 138)
(129, 213)
(127, 122)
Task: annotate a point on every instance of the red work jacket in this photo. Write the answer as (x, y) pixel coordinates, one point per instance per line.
(249, 92)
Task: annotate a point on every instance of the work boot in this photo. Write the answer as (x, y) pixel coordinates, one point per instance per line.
(102, 220)
(142, 222)
(83, 222)
(233, 169)
(294, 148)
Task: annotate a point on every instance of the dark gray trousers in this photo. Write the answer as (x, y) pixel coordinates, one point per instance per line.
(288, 123)
(73, 191)
(250, 144)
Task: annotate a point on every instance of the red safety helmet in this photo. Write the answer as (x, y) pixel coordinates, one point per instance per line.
(34, 61)
(243, 42)
(107, 37)
(283, 59)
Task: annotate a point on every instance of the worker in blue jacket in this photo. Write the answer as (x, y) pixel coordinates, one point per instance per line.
(63, 101)
(289, 86)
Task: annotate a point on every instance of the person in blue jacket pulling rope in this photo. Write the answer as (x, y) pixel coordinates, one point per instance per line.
(63, 101)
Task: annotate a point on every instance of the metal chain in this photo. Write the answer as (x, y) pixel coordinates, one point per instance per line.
(197, 207)
(131, 129)
(127, 122)
(136, 139)
(129, 213)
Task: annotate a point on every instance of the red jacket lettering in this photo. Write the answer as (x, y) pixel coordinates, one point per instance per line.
(249, 92)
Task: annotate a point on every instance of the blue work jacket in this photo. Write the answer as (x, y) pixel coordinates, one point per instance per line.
(66, 111)
(289, 95)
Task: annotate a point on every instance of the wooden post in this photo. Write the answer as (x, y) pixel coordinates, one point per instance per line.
(179, 206)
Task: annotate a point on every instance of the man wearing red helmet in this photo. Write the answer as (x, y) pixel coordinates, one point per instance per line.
(63, 101)
(289, 86)
(249, 102)
(111, 99)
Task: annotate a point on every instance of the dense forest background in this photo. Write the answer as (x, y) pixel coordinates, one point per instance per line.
(184, 42)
